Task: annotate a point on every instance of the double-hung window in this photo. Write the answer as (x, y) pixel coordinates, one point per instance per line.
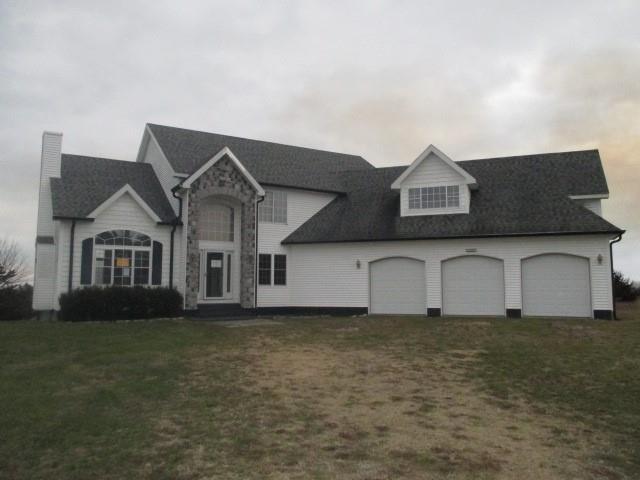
(272, 276)
(434, 197)
(273, 209)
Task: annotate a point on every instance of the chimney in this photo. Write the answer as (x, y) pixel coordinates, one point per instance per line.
(49, 168)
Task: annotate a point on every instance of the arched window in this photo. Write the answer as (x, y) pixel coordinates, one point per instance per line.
(122, 257)
(216, 222)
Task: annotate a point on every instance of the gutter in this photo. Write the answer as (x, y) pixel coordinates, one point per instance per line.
(255, 274)
(71, 242)
(613, 293)
(175, 223)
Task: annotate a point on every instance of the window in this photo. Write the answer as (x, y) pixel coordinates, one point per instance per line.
(264, 269)
(216, 222)
(279, 269)
(122, 257)
(453, 196)
(434, 197)
(414, 198)
(273, 208)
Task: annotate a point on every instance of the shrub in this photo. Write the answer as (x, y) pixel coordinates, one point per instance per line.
(15, 302)
(119, 303)
(624, 289)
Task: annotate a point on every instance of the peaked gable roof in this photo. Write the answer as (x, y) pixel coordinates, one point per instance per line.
(269, 163)
(225, 152)
(526, 195)
(85, 183)
(432, 149)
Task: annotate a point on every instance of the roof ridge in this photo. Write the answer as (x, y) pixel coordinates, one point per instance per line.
(102, 158)
(544, 154)
(258, 140)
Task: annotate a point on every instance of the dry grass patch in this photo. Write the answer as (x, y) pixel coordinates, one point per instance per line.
(405, 418)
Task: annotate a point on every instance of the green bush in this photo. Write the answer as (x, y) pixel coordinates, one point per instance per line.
(15, 302)
(119, 303)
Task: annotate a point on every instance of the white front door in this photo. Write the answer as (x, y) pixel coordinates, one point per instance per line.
(217, 274)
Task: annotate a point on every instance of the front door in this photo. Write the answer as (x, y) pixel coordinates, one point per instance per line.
(217, 275)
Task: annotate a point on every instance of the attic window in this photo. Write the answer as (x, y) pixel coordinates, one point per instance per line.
(434, 197)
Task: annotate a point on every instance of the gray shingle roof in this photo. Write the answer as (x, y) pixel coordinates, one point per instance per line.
(269, 163)
(523, 195)
(86, 182)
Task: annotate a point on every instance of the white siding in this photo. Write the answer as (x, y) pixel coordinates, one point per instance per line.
(327, 275)
(593, 204)
(301, 206)
(124, 213)
(44, 287)
(153, 155)
(432, 172)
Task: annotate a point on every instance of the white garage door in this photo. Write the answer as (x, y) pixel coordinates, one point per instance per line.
(397, 285)
(473, 285)
(556, 285)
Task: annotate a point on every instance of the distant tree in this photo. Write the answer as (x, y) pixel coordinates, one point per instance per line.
(13, 270)
(624, 288)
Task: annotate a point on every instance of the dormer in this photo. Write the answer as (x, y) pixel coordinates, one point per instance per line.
(434, 185)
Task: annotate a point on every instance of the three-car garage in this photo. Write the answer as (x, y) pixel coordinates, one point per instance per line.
(556, 285)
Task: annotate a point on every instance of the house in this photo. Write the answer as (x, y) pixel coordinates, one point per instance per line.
(241, 225)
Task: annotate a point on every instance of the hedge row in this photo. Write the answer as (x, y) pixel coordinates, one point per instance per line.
(119, 303)
(15, 302)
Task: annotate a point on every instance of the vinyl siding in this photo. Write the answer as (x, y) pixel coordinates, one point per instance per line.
(593, 204)
(327, 275)
(432, 172)
(124, 213)
(45, 275)
(154, 156)
(301, 206)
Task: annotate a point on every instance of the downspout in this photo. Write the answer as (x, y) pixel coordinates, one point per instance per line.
(613, 293)
(176, 222)
(73, 233)
(255, 271)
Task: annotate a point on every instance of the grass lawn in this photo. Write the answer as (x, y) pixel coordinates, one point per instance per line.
(356, 398)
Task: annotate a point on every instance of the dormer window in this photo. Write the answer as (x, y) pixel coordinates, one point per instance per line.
(434, 197)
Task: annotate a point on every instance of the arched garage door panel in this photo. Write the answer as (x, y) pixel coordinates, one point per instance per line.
(473, 285)
(556, 285)
(397, 286)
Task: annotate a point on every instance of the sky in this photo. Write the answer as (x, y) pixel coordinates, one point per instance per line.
(379, 78)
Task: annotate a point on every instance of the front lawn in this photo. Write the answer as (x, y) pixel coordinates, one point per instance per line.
(359, 398)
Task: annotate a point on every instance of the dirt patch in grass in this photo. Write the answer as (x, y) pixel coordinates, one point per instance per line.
(374, 414)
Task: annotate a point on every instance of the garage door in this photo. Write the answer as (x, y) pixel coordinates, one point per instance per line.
(556, 285)
(397, 285)
(473, 285)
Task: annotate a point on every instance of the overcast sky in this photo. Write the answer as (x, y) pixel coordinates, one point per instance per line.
(382, 79)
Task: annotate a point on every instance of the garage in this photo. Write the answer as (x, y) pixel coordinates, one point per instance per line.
(556, 285)
(473, 285)
(397, 286)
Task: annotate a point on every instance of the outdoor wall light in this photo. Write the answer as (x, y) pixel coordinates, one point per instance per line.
(599, 259)
(358, 264)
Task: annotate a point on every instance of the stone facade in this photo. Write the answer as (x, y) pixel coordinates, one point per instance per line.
(222, 179)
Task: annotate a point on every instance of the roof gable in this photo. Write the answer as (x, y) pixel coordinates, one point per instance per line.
(86, 183)
(125, 190)
(225, 152)
(429, 154)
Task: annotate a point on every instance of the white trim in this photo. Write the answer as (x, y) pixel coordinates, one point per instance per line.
(468, 179)
(594, 196)
(125, 189)
(224, 152)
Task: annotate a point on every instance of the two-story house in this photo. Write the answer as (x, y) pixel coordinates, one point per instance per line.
(239, 225)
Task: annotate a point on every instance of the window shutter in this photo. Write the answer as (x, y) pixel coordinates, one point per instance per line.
(156, 275)
(86, 262)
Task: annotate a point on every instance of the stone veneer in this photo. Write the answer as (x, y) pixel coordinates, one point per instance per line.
(222, 179)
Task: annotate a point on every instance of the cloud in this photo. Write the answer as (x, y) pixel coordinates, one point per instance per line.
(381, 79)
